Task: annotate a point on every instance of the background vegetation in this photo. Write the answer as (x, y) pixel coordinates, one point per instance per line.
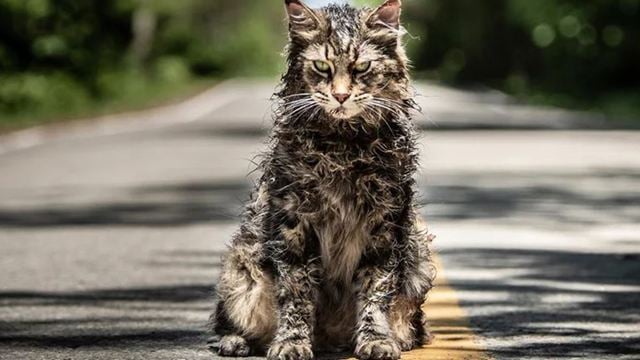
(572, 53)
(65, 58)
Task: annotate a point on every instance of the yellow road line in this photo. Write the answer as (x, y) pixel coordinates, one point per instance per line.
(454, 339)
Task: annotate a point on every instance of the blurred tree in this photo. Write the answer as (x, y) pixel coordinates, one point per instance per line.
(65, 55)
(70, 54)
(144, 26)
(570, 48)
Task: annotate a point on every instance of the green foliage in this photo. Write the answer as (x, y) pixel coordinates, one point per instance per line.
(67, 56)
(64, 57)
(29, 90)
(565, 46)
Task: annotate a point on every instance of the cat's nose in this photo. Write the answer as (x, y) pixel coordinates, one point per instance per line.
(341, 97)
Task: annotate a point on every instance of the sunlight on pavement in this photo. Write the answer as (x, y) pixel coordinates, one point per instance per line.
(454, 339)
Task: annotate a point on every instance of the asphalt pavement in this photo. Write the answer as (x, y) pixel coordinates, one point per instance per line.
(112, 230)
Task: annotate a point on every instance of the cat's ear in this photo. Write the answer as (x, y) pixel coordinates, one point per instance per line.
(387, 15)
(301, 17)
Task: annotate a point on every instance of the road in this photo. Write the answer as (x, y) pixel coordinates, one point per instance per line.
(111, 231)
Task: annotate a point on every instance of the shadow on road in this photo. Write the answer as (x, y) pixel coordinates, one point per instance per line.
(586, 300)
(549, 200)
(144, 318)
(537, 199)
(551, 304)
(533, 303)
(171, 205)
(128, 319)
(171, 294)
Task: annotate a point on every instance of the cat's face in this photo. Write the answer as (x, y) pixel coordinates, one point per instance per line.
(350, 61)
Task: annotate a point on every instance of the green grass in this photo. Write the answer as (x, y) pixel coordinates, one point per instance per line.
(129, 95)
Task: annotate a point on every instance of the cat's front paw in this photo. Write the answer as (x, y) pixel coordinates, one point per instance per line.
(234, 346)
(408, 344)
(382, 349)
(405, 345)
(289, 350)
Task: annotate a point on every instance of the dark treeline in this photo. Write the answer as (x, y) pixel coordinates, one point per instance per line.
(68, 54)
(572, 48)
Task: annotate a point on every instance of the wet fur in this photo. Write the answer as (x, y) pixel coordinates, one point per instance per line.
(329, 255)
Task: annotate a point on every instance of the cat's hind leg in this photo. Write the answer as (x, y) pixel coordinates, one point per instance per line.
(408, 324)
(406, 317)
(245, 314)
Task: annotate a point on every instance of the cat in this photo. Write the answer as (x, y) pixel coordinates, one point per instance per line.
(329, 256)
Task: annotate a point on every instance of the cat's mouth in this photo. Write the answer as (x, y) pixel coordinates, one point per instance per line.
(340, 111)
(343, 113)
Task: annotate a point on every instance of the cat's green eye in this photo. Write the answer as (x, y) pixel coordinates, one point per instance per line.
(322, 66)
(362, 67)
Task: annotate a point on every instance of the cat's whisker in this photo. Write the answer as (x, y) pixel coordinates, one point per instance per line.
(318, 109)
(292, 107)
(288, 107)
(381, 117)
(390, 101)
(295, 95)
(291, 112)
(322, 100)
(298, 101)
(384, 106)
(296, 112)
(395, 108)
(400, 103)
(302, 109)
(385, 100)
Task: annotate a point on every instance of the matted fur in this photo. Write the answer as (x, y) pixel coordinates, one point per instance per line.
(329, 255)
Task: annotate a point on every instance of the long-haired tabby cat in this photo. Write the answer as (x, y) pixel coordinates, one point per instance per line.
(329, 256)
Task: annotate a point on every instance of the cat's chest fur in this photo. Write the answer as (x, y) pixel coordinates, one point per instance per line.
(343, 221)
(342, 233)
(343, 190)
